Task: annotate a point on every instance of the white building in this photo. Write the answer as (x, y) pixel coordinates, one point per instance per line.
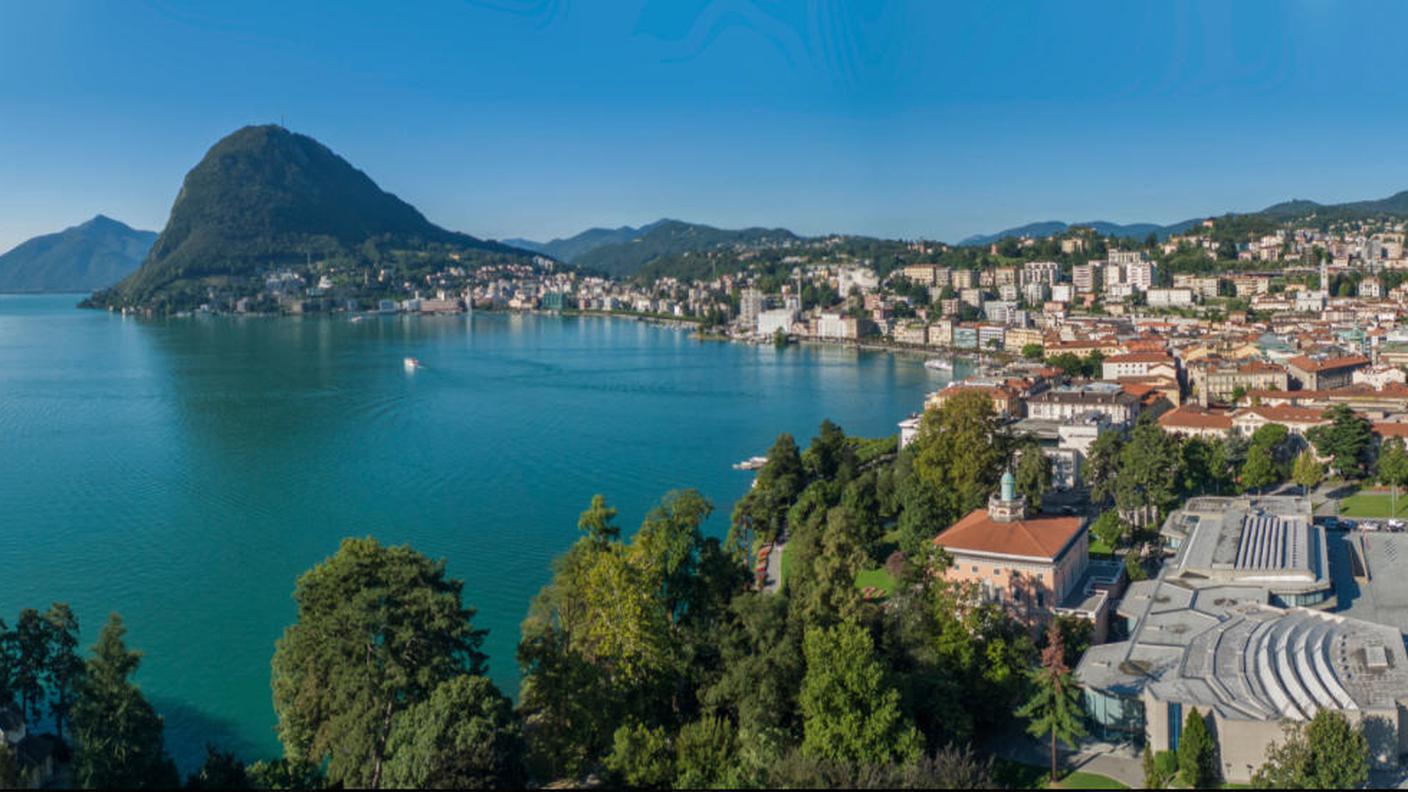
(832, 324)
(1378, 376)
(1170, 297)
(1140, 274)
(862, 278)
(769, 322)
(1048, 272)
(750, 306)
(1085, 277)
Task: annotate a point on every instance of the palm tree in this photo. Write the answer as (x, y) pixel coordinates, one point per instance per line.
(1054, 708)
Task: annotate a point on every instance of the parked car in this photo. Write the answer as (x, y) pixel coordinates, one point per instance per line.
(1347, 525)
(1395, 525)
(1368, 526)
(1328, 523)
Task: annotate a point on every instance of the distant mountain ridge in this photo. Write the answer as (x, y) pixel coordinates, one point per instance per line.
(579, 244)
(265, 197)
(1052, 227)
(92, 255)
(624, 251)
(1395, 205)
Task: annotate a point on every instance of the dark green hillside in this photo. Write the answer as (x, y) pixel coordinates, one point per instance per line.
(579, 244)
(674, 238)
(1395, 206)
(264, 198)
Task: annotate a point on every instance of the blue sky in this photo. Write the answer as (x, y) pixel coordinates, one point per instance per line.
(540, 118)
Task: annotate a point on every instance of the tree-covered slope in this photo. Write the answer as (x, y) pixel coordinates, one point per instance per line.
(82, 258)
(672, 238)
(265, 197)
(1395, 205)
(572, 247)
(1054, 227)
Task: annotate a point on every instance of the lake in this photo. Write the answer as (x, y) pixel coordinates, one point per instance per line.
(184, 472)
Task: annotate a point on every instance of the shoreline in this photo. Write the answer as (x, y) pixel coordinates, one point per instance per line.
(662, 320)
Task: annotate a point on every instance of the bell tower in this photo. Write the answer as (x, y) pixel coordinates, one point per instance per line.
(1006, 505)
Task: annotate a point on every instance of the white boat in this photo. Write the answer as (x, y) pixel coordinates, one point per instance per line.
(411, 364)
(938, 364)
(751, 463)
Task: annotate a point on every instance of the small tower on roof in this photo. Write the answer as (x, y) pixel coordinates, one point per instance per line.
(1006, 505)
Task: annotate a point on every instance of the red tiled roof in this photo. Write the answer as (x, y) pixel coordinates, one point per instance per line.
(1391, 430)
(1140, 357)
(1254, 366)
(1299, 395)
(1305, 363)
(1193, 417)
(1038, 537)
(1285, 413)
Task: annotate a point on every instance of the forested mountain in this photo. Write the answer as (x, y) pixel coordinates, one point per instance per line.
(570, 248)
(672, 238)
(1053, 227)
(82, 258)
(264, 197)
(1395, 205)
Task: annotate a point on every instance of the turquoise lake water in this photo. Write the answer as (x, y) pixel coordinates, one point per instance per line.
(185, 472)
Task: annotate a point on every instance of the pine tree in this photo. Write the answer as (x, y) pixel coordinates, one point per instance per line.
(64, 670)
(1054, 708)
(31, 642)
(1195, 752)
(118, 734)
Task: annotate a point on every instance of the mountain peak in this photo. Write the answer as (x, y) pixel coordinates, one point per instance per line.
(265, 197)
(100, 221)
(92, 255)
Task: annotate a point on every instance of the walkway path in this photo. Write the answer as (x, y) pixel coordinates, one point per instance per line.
(772, 583)
(1119, 762)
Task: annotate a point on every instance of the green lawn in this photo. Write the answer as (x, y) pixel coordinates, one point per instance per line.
(878, 578)
(1373, 504)
(1099, 548)
(1015, 775)
(1079, 780)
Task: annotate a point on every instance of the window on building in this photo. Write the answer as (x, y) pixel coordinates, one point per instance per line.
(1040, 599)
(1175, 724)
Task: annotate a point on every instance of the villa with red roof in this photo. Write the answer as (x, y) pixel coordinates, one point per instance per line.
(1035, 567)
(1191, 420)
(1324, 373)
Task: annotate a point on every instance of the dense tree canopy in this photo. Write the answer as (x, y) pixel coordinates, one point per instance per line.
(465, 736)
(1347, 440)
(849, 709)
(379, 628)
(1326, 753)
(960, 452)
